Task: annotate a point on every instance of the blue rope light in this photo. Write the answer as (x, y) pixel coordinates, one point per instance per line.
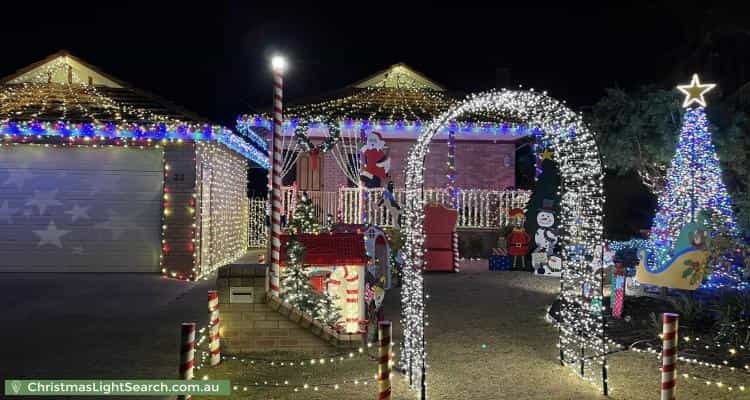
(27, 129)
(245, 125)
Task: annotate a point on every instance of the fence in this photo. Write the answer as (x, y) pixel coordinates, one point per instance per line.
(477, 208)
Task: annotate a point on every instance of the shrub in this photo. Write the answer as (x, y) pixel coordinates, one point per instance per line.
(733, 325)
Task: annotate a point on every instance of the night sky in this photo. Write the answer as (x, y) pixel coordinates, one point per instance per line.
(214, 60)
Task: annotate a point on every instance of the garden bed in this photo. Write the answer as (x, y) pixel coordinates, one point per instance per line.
(640, 327)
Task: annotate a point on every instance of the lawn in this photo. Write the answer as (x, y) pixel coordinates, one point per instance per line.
(487, 339)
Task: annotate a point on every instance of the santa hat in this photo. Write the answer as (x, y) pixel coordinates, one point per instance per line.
(516, 213)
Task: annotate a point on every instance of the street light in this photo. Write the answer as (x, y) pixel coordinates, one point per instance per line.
(278, 63)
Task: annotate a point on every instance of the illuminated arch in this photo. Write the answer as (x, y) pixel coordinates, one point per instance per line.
(581, 332)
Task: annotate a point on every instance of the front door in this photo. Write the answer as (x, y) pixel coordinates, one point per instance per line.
(309, 175)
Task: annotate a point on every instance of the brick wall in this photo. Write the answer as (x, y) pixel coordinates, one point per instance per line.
(256, 327)
(179, 182)
(333, 176)
(479, 165)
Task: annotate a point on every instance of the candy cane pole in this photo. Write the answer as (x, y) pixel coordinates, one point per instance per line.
(278, 65)
(214, 346)
(187, 354)
(456, 266)
(384, 360)
(669, 355)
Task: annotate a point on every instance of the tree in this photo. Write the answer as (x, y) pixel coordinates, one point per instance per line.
(304, 219)
(547, 188)
(638, 131)
(297, 291)
(694, 185)
(295, 283)
(326, 309)
(296, 288)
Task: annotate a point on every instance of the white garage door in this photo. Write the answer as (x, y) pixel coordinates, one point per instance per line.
(79, 209)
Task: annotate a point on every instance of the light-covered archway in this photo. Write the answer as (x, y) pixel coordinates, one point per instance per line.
(582, 339)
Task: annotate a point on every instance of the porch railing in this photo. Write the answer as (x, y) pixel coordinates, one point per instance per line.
(477, 208)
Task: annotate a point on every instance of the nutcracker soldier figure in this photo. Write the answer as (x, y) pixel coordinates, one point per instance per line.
(518, 240)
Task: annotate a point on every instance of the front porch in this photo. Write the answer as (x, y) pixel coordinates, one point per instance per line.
(478, 209)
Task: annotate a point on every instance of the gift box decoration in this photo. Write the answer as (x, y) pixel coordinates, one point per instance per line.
(499, 251)
(500, 263)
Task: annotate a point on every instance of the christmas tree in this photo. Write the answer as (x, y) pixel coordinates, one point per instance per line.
(295, 283)
(296, 288)
(326, 309)
(546, 188)
(304, 219)
(694, 188)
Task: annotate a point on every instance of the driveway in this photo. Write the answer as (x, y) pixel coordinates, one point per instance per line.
(95, 325)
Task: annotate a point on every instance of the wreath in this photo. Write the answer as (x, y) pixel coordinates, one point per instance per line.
(300, 133)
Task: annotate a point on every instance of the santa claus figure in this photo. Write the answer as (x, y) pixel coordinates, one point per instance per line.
(375, 162)
(518, 240)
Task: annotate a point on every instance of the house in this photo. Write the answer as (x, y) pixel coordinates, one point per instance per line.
(97, 176)
(470, 164)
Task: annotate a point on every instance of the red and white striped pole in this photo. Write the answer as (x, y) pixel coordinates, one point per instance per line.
(384, 360)
(277, 64)
(214, 323)
(456, 263)
(187, 354)
(669, 355)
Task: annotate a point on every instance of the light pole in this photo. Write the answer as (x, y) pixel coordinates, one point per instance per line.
(278, 65)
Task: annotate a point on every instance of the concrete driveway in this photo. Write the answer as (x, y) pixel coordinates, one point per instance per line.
(95, 325)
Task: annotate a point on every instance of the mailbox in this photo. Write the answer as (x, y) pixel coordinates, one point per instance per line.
(239, 295)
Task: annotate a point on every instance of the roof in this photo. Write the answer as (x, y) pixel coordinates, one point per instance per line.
(330, 249)
(397, 101)
(64, 97)
(64, 87)
(398, 75)
(397, 93)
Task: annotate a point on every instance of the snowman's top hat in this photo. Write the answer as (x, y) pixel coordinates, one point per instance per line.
(548, 205)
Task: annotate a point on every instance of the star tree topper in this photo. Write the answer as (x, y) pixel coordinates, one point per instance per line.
(695, 91)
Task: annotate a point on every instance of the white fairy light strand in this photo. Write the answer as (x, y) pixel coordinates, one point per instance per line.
(582, 341)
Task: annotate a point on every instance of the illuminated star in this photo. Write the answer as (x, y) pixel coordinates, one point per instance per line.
(7, 212)
(43, 199)
(78, 212)
(694, 91)
(18, 177)
(51, 235)
(546, 155)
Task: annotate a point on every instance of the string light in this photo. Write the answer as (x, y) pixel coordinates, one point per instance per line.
(450, 184)
(253, 126)
(32, 105)
(36, 109)
(582, 337)
(222, 228)
(693, 185)
(479, 208)
(694, 190)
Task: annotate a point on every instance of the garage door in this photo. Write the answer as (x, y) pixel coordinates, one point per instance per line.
(79, 209)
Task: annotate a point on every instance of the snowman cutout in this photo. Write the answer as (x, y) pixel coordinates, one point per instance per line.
(545, 236)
